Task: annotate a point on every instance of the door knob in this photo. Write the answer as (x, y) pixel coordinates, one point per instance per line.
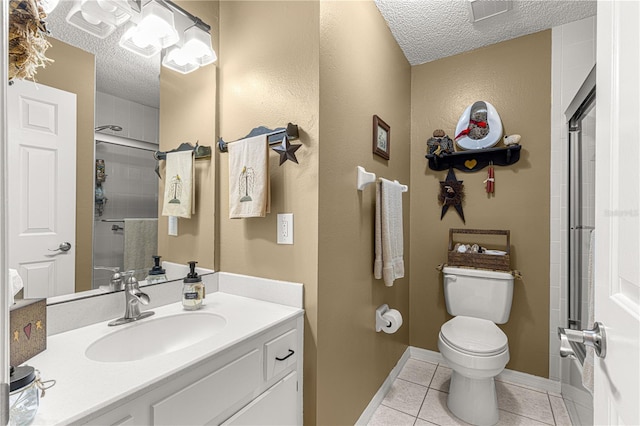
(66, 246)
(595, 338)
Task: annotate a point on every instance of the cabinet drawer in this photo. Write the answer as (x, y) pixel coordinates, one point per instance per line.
(280, 353)
(210, 396)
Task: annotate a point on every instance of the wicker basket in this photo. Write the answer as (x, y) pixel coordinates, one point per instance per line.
(480, 260)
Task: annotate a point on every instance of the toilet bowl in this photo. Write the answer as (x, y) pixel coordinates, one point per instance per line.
(472, 344)
(477, 351)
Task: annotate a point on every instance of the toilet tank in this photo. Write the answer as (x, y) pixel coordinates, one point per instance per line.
(478, 293)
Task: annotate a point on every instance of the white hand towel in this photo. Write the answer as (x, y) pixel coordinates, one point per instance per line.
(249, 192)
(179, 188)
(587, 366)
(16, 285)
(389, 262)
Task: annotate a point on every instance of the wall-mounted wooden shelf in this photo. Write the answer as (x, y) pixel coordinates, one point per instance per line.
(476, 159)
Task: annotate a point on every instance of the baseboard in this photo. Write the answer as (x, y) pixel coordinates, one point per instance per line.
(511, 376)
(529, 380)
(367, 414)
(426, 355)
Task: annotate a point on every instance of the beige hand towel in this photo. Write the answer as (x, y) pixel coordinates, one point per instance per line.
(249, 187)
(179, 187)
(389, 250)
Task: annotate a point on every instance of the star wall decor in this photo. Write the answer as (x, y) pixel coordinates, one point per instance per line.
(451, 194)
(286, 150)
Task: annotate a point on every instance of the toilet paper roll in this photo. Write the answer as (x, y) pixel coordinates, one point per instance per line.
(394, 319)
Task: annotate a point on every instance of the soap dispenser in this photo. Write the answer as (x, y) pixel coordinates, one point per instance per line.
(193, 289)
(156, 274)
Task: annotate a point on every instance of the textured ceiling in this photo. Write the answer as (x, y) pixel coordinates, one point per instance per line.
(118, 71)
(427, 30)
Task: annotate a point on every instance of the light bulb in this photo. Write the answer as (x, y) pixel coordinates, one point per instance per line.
(141, 39)
(90, 19)
(107, 6)
(157, 21)
(180, 57)
(196, 48)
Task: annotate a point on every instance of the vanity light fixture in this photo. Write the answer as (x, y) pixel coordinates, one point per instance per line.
(152, 29)
(84, 20)
(113, 12)
(139, 42)
(197, 44)
(176, 59)
(194, 53)
(156, 30)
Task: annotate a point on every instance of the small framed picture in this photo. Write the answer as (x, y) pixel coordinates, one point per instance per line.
(381, 137)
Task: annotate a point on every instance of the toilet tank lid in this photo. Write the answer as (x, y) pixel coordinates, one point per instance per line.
(480, 273)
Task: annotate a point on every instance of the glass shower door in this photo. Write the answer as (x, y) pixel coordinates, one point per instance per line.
(581, 213)
(581, 220)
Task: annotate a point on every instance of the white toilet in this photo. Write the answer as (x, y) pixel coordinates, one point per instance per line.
(471, 343)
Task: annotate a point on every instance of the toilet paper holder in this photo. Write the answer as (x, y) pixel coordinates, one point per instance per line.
(380, 321)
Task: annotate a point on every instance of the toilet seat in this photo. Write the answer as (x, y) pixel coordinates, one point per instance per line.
(474, 336)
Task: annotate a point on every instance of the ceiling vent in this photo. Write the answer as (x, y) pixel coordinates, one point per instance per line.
(483, 9)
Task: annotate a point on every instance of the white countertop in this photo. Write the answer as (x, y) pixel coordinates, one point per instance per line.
(84, 386)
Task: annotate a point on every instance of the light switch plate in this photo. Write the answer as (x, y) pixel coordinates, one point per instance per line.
(173, 226)
(285, 228)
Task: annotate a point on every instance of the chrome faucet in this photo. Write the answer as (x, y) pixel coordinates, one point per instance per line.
(133, 298)
(115, 283)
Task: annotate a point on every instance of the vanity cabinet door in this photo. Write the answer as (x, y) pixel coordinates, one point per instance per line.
(209, 397)
(277, 406)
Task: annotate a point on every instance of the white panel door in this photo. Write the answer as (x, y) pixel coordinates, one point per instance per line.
(617, 250)
(42, 187)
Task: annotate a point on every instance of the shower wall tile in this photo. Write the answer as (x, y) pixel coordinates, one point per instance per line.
(131, 189)
(136, 117)
(138, 121)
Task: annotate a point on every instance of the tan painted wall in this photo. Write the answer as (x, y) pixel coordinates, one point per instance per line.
(269, 76)
(74, 71)
(362, 72)
(515, 76)
(188, 114)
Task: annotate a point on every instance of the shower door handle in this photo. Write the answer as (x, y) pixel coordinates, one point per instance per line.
(596, 338)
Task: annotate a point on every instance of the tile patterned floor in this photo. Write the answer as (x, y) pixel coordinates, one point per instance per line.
(418, 397)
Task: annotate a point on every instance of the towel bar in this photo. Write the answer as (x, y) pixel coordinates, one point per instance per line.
(274, 136)
(199, 150)
(365, 178)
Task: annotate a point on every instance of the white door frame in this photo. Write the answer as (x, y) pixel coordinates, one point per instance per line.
(4, 272)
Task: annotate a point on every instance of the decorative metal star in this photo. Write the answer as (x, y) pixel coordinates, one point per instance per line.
(286, 150)
(451, 194)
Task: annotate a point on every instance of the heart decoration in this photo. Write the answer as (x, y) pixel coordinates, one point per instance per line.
(27, 330)
(470, 164)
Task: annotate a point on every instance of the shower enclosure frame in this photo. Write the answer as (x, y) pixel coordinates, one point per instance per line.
(577, 231)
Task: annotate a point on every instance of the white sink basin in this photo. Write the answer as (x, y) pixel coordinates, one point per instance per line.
(155, 336)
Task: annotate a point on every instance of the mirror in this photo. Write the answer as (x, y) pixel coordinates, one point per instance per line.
(115, 168)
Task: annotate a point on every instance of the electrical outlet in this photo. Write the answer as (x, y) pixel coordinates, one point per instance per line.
(285, 228)
(173, 226)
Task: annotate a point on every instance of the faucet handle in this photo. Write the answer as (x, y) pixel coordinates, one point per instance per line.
(130, 279)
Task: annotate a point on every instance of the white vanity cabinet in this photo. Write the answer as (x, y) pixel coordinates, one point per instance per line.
(255, 382)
